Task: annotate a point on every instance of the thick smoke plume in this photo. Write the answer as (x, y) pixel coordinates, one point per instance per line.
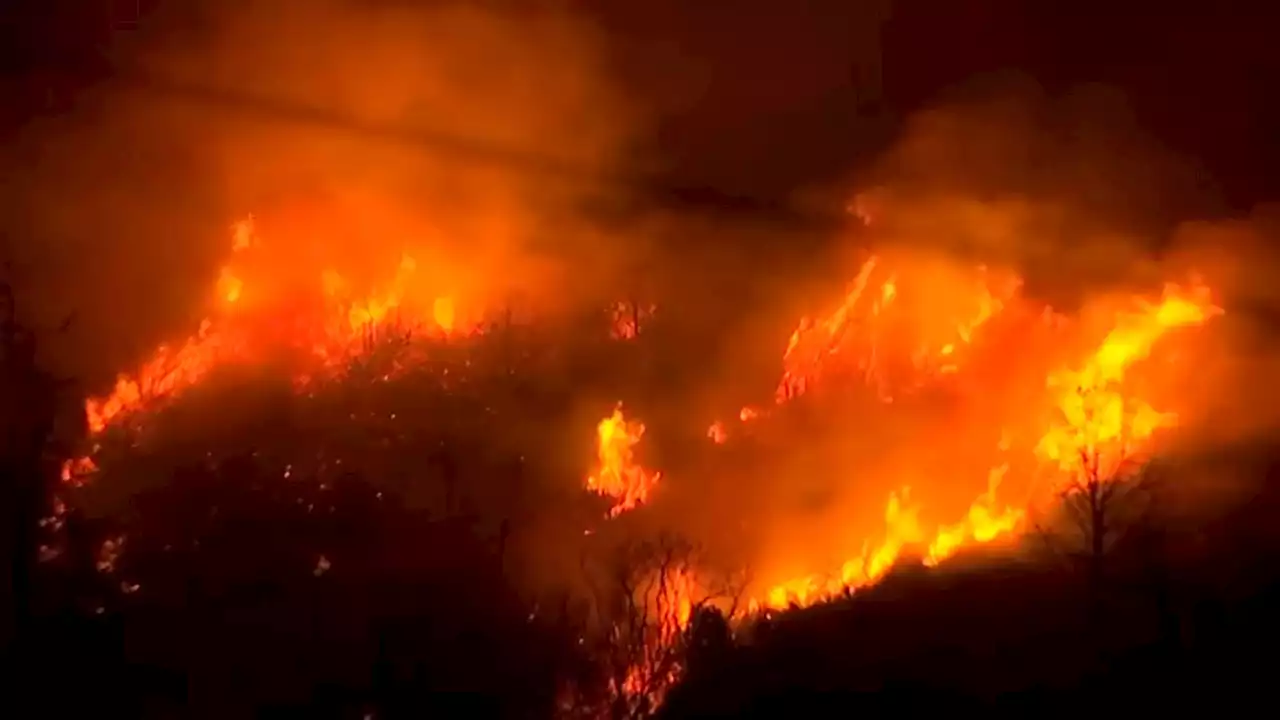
(466, 135)
(1072, 196)
(1069, 189)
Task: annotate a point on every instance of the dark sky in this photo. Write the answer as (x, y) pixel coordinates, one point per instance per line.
(773, 94)
(761, 96)
(1199, 75)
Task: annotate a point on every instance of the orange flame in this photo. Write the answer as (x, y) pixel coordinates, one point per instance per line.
(324, 325)
(75, 470)
(660, 666)
(893, 331)
(1096, 415)
(874, 329)
(1097, 418)
(618, 475)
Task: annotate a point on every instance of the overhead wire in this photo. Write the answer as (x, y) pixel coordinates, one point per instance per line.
(646, 186)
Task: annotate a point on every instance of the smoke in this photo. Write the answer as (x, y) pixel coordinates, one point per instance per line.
(473, 138)
(1068, 189)
(1074, 197)
(469, 136)
(1233, 397)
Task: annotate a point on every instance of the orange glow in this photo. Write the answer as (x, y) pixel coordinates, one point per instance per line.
(907, 325)
(168, 371)
(443, 313)
(618, 475)
(908, 331)
(985, 522)
(660, 665)
(628, 319)
(261, 308)
(1098, 422)
(75, 470)
(895, 330)
(717, 432)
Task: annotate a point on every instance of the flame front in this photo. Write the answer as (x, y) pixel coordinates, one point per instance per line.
(875, 340)
(258, 310)
(901, 331)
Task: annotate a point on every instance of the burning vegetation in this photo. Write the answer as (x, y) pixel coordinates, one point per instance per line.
(620, 476)
(318, 325)
(429, 395)
(915, 335)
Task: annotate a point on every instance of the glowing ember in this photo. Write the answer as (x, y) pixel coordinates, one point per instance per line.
(75, 470)
(895, 330)
(443, 313)
(899, 329)
(718, 433)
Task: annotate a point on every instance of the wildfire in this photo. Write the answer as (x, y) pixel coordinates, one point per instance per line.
(717, 432)
(75, 470)
(258, 310)
(894, 337)
(627, 319)
(900, 328)
(168, 371)
(985, 522)
(659, 667)
(443, 313)
(1100, 425)
(894, 334)
(895, 330)
(619, 475)
(902, 528)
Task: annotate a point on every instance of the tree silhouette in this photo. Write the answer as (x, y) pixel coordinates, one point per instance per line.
(28, 405)
(1102, 501)
(645, 603)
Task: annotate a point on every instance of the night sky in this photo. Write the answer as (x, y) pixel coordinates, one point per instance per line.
(780, 96)
(762, 96)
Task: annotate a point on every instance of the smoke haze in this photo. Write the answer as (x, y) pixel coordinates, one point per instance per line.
(132, 195)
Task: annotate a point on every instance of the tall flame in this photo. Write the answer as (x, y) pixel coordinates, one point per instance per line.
(1099, 422)
(894, 338)
(323, 324)
(618, 475)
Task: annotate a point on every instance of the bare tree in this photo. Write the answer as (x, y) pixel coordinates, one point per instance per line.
(1102, 502)
(1107, 495)
(645, 600)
